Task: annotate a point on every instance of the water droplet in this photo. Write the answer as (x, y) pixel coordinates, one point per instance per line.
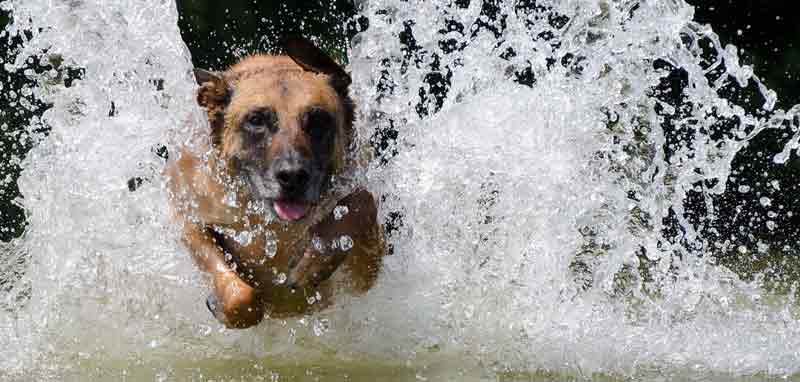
(243, 238)
(203, 330)
(270, 244)
(230, 199)
(340, 211)
(162, 376)
(345, 243)
(317, 243)
(320, 327)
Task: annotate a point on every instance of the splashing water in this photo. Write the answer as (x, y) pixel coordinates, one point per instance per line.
(539, 202)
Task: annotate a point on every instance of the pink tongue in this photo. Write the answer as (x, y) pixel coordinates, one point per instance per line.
(290, 210)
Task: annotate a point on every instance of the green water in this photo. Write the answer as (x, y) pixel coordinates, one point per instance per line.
(334, 368)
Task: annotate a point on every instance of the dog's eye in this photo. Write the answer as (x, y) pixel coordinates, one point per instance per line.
(256, 119)
(258, 122)
(317, 131)
(319, 124)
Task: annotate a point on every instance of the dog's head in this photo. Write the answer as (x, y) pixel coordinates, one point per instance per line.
(282, 123)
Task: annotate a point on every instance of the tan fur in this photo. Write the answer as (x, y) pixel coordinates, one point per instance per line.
(247, 283)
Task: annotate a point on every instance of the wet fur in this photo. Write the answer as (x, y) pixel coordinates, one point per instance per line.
(247, 284)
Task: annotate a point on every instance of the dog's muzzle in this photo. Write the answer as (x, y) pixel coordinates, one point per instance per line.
(292, 191)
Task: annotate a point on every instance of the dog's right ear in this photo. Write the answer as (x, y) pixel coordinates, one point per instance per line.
(213, 95)
(313, 59)
(214, 91)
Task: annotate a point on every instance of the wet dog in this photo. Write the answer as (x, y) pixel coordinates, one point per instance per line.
(260, 204)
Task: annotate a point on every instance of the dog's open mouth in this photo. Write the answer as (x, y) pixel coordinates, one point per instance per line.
(290, 210)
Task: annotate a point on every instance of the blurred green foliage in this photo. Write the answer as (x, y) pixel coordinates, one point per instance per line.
(13, 144)
(218, 33)
(767, 35)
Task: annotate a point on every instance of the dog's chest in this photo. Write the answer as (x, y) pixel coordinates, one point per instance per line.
(261, 254)
(262, 250)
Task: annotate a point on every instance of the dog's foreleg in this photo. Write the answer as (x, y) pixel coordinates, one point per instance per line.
(233, 302)
(352, 238)
(366, 257)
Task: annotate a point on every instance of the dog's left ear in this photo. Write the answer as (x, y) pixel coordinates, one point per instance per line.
(311, 58)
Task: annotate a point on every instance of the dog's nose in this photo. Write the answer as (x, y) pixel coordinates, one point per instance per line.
(293, 178)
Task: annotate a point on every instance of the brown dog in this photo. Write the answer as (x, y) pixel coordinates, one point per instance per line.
(261, 206)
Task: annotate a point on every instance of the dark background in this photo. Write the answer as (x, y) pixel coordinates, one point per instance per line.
(764, 31)
(211, 27)
(767, 38)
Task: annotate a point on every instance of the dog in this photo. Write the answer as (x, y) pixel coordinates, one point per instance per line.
(259, 205)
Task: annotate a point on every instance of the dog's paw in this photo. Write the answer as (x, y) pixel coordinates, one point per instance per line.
(214, 307)
(311, 267)
(235, 303)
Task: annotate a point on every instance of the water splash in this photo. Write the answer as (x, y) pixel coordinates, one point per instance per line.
(543, 198)
(537, 165)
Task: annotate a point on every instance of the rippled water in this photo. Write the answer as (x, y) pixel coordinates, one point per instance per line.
(539, 204)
